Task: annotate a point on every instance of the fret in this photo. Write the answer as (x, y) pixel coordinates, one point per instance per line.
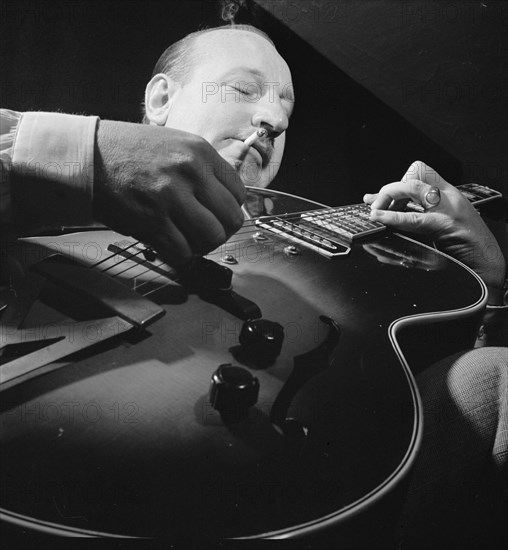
(329, 230)
(474, 193)
(351, 222)
(478, 194)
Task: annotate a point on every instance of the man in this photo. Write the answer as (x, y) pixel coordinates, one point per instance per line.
(171, 190)
(177, 176)
(240, 83)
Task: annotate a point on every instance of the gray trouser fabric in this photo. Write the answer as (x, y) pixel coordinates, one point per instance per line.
(458, 493)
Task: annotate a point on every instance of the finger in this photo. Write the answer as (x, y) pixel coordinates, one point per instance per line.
(405, 221)
(239, 150)
(416, 171)
(383, 200)
(169, 243)
(401, 190)
(400, 204)
(200, 227)
(228, 176)
(369, 198)
(421, 171)
(218, 200)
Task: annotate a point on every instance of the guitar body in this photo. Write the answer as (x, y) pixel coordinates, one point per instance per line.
(121, 439)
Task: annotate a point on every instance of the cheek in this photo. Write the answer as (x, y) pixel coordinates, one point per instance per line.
(191, 113)
(218, 122)
(277, 154)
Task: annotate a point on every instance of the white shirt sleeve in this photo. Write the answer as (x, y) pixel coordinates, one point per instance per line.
(8, 124)
(46, 169)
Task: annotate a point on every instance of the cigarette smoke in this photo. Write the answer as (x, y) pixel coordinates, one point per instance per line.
(230, 9)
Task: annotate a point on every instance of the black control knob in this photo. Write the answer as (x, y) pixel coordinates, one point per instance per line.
(261, 339)
(233, 390)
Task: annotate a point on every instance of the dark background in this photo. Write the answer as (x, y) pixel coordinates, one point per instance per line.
(379, 83)
(438, 67)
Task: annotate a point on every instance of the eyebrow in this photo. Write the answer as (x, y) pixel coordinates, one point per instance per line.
(256, 72)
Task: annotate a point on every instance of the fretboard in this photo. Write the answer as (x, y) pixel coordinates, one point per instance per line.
(327, 230)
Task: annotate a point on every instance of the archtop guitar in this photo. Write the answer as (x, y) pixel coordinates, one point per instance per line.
(267, 391)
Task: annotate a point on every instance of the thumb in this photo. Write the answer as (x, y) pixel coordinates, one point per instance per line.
(413, 222)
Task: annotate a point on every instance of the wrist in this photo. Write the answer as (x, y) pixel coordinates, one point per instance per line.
(103, 175)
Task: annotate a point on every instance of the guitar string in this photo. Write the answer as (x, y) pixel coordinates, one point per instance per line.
(247, 228)
(137, 273)
(124, 257)
(122, 253)
(358, 206)
(118, 273)
(145, 263)
(165, 284)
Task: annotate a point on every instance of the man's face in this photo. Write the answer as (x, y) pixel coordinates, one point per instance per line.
(238, 83)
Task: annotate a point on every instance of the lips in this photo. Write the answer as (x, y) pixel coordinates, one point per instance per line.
(263, 151)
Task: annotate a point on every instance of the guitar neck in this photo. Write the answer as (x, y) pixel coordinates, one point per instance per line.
(326, 230)
(474, 193)
(478, 194)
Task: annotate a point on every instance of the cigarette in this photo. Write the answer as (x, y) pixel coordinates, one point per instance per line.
(260, 132)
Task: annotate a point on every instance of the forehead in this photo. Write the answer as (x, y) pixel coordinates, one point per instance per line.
(221, 50)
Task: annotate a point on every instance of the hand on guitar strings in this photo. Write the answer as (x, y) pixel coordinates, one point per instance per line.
(447, 217)
(167, 188)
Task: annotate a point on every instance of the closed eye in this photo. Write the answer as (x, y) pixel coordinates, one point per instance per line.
(242, 91)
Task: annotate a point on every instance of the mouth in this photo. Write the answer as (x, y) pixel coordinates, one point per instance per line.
(261, 150)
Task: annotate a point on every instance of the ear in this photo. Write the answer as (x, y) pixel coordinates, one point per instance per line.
(158, 98)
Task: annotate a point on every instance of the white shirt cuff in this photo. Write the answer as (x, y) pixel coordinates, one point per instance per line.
(52, 170)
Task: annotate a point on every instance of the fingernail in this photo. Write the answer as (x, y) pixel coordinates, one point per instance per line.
(376, 214)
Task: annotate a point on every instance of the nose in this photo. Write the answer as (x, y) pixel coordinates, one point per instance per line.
(270, 112)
